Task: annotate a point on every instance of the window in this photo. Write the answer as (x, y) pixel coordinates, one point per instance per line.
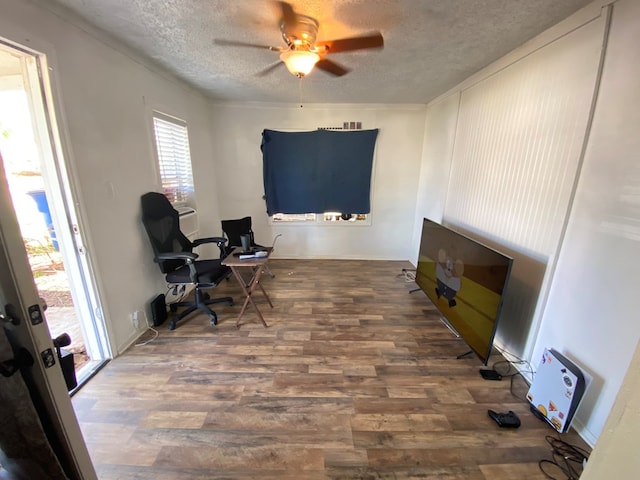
(344, 217)
(326, 218)
(174, 159)
(293, 217)
(317, 171)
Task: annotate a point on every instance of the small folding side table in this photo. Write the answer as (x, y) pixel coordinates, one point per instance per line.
(257, 266)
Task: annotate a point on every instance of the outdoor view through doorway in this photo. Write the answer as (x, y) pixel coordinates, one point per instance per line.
(41, 199)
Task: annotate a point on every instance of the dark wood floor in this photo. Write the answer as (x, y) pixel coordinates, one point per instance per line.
(354, 378)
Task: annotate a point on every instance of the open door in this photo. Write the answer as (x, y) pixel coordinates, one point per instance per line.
(24, 323)
(46, 207)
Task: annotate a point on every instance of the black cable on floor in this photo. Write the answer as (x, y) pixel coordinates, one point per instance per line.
(568, 460)
(512, 372)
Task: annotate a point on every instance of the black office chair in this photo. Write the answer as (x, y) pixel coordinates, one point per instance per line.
(173, 253)
(233, 229)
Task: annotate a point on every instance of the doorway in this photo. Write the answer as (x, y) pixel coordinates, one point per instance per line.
(43, 201)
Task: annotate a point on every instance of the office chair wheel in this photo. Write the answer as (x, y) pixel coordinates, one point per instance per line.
(213, 320)
(173, 307)
(172, 324)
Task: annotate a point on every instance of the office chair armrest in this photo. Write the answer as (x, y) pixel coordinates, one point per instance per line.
(186, 256)
(218, 240)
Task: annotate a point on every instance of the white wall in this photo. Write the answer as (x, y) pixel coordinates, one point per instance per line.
(103, 106)
(237, 133)
(439, 139)
(616, 454)
(593, 274)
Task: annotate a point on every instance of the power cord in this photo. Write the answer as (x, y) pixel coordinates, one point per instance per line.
(409, 275)
(172, 290)
(512, 362)
(155, 334)
(568, 460)
(146, 342)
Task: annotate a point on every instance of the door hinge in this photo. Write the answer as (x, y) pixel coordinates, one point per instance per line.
(35, 314)
(48, 358)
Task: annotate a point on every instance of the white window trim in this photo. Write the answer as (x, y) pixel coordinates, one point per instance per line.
(319, 220)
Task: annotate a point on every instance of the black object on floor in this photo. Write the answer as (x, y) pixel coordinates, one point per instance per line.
(488, 374)
(159, 310)
(505, 420)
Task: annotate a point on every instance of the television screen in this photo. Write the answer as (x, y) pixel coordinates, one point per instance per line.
(465, 280)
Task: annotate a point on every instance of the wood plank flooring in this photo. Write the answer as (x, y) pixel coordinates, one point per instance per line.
(355, 378)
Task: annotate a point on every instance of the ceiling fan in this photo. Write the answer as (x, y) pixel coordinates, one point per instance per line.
(302, 52)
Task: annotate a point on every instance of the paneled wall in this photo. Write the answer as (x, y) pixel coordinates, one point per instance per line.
(543, 166)
(517, 150)
(518, 143)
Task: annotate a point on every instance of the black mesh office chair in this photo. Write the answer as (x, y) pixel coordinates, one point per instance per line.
(233, 229)
(173, 253)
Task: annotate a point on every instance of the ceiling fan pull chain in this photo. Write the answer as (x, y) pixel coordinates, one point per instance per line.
(300, 90)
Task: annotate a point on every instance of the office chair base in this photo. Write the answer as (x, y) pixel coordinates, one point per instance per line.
(201, 306)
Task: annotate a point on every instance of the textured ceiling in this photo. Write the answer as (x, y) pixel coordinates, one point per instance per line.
(430, 45)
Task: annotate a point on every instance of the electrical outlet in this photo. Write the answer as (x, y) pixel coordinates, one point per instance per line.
(135, 319)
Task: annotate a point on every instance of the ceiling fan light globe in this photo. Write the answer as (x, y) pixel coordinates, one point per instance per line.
(299, 62)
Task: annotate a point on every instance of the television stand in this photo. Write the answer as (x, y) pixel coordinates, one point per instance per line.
(457, 335)
(450, 327)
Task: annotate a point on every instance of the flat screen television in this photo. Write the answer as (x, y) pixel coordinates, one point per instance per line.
(466, 281)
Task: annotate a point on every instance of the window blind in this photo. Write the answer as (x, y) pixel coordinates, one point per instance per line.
(518, 143)
(174, 158)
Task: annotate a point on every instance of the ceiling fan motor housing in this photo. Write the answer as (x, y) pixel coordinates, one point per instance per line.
(302, 34)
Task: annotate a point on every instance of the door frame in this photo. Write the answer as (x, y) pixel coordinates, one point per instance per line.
(62, 192)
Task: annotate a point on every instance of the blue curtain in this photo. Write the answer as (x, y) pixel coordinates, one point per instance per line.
(318, 171)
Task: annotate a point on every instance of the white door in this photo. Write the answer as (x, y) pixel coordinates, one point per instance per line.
(18, 291)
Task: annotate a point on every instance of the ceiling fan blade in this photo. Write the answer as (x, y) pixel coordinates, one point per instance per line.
(373, 40)
(288, 15)
(234, 43)
(269, 69)
(332, 67)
